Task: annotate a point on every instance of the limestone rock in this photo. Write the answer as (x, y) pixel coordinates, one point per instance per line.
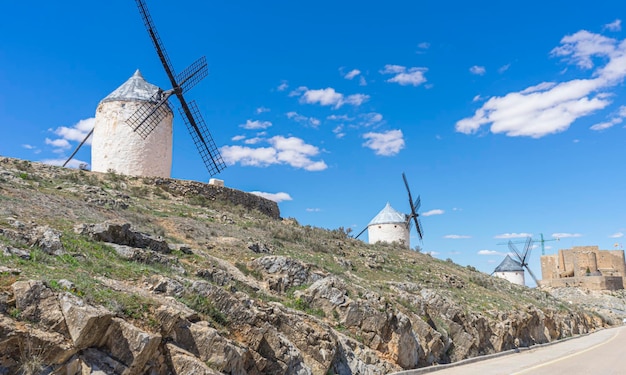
(284, 272)
(38, 304)
(184, 362)
(86, 324)
(121, 234)
(130, 345)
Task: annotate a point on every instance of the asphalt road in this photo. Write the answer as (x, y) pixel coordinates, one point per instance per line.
(602, 352)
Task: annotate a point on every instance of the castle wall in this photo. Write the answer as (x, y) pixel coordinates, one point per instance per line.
(587, 282)
(585, 266)
(117, 147)
(389, 232)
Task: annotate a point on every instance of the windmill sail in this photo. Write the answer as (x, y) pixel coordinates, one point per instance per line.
(415, 206)
(145, 119)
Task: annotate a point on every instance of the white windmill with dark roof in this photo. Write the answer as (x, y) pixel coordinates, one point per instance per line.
(511, 270)
(133, 130)
(390, 225)
(116, 146)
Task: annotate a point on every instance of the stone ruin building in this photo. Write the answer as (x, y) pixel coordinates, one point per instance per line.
(584, 267)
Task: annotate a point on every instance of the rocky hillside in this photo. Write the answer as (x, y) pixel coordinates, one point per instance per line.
(102, 273)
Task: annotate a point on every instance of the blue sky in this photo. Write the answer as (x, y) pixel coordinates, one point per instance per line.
(508, 119)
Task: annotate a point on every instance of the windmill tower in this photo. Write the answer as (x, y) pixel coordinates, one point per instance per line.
(145, 110)
(510, 270)
(390, 225)
(116, 146)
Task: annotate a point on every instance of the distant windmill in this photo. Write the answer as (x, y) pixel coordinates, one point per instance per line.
(523, 258)
(153, 111)
(391, 225)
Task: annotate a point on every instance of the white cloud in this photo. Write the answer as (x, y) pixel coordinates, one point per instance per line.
(385, 144)
(328, 97)
(491, 252)
(290, 151)
(338, 130)
(504, 68)
(77, 133)
(28, 147)
(362, 81)
(313, 210)
(616, 119)
(351, 74)
(456, 236)
(478, 70)
(256, 124)
(253, 141)
(403, 76)
(238, 138)
(58, 143)
(283, 86)
(339, 118)
(566, 235)
(477, 98)
(614, 26)
(262, 110)
(276, 197)
(369, 119)
(513, 235)
(549, 107)
(433, 212)
(617, 235)
(312, 121)
(422, 47)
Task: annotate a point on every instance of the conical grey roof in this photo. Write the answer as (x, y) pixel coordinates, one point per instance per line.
(509, 265)
(135, 88)
(388, 215)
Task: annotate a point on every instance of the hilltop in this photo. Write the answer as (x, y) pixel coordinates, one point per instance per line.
(132, 275)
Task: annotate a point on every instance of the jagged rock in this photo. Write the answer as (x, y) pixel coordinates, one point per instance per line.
(130, 345)
(22, 342)
(284, 272)
(86, 324)
(121, 234)
(38, 304)
(9, 251)
(354, 358)
(165, 285)
(259, 248)
(136, 254)
(49, 240)
(216, 275)
(184, 362)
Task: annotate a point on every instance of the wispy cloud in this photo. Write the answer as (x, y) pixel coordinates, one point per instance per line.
(433, 212)
(283, 86)
(549, 107)
(387, 143)
(618, 118)
(351, 74)
(256, 124)
(262, 110)
(422, 47)
(456, 236)
(405, 76)
(614, 26)
(310, 121)
(491, 252)
(513, 235)
(282, 150)
(478, 70)
(313, 210)
(566, 235)
(504, 68)
(617, 235)
(276, 197)
(328, 97)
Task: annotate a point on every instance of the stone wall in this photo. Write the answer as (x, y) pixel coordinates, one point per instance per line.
(217, 192)
(587, 282)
